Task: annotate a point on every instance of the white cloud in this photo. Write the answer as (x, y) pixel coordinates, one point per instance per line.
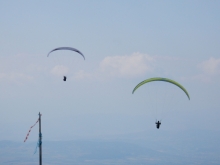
(211, 66)
(59, 70)
(132, 65)
(82, 75)
(18, 68)
(15, 77)
(208, 71)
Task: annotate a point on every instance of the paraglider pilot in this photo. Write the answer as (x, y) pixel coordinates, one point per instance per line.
(158, 124)
(64, 78)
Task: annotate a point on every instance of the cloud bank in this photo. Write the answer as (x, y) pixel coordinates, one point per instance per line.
(27, 68)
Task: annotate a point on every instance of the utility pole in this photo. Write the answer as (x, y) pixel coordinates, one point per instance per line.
(40, 141)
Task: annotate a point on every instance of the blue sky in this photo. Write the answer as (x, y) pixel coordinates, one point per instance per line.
(124, 42)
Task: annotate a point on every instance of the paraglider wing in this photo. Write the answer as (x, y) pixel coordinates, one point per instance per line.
(66, 48)
(161, 79)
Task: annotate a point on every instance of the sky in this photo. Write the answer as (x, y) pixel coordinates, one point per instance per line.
(124, 43)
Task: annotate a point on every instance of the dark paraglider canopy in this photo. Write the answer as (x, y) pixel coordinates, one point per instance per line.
(66, 48)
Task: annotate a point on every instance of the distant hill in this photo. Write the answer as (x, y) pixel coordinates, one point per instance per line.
(168, 148)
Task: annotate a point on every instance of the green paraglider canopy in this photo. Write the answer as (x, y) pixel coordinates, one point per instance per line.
(161, 79)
